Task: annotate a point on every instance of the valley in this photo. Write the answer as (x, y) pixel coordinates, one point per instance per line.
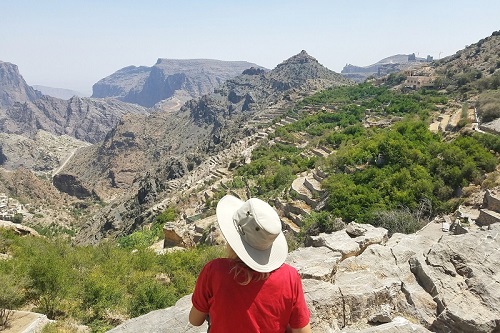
(364, 176)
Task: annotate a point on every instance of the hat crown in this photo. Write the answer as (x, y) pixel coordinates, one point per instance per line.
(257, 223)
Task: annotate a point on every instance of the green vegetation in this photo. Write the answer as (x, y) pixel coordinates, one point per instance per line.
(381, 176)
(17, 218)
(395, 174)
(148, 235)
(273, 168)
(93, 285)
(400, 167)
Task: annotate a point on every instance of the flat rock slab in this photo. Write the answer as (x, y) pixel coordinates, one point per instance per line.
(319, 263)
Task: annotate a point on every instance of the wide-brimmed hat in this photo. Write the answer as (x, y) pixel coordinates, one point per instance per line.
(253, 230)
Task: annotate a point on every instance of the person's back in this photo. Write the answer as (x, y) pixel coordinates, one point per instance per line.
(253, 290)
(265, 306)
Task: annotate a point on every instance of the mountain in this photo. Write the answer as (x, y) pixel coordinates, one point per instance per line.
(83, 118)
(13, 88)
(40, 154)
(25, 111)
(144, 157)
(168, 78)
(383, 67)
(58, 92)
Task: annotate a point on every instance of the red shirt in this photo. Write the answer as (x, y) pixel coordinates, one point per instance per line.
(265, 306)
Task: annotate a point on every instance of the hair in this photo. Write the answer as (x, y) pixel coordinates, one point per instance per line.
(242, 273)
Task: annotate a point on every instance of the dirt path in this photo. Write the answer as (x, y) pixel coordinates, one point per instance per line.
(55, 172)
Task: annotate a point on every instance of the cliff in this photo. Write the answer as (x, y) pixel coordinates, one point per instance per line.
(190, 78)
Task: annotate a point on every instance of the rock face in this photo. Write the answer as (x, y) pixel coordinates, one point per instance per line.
(147, 86)
(25, 111)
(83, 118)
(425, 282)
(148, 156)
(13, 88)
(42, 154)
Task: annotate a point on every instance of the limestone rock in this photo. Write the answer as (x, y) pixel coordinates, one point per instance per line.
(318, 263)
(338, 241)
(421, 282)
(397, 325)
(18, 228)
(173, 319)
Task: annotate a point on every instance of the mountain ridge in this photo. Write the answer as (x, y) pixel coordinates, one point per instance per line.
(147, 86)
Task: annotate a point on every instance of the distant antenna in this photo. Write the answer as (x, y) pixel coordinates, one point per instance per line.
(440, 54)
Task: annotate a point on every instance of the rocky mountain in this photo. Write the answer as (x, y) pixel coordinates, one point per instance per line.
(25, 111)
(58, 92)
(183, 79)
(383, 67)
(149, 156)
(13, 88)
(85, 119)
(477, 60)
(41, 154)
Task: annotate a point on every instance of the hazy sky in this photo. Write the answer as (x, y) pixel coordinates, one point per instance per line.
(74, 43)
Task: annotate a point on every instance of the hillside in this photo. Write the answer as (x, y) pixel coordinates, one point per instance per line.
(146, 158)
(388, 196)
(168, 78)
(25, 111)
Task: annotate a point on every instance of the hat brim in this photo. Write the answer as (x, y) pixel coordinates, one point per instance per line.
(258, 260)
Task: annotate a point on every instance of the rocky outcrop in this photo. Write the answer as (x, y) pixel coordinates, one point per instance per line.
(13, 88)
(69, 184)
(82, 118)
(430, 281)
(19, 229)
(147, 86)
(42, 154)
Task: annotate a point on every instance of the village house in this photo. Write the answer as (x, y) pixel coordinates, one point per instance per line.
(9, 207)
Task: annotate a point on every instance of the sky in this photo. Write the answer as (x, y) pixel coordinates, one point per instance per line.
(72, 44)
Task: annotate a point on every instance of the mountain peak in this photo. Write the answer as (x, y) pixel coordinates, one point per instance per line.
(302, 58)
(13, 88)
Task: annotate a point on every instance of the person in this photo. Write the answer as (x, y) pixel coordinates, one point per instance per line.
(252, 290)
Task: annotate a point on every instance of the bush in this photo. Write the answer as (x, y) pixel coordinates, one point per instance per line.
(17, 218)
(11, 296)
(403, 220)
(150, 295)
(318, 222)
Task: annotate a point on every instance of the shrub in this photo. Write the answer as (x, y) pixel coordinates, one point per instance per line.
(318, 222)
(149, 295)
(17, 218)
(11, 296)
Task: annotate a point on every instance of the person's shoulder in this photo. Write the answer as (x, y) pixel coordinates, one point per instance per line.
(218, 263)
(287, 269)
